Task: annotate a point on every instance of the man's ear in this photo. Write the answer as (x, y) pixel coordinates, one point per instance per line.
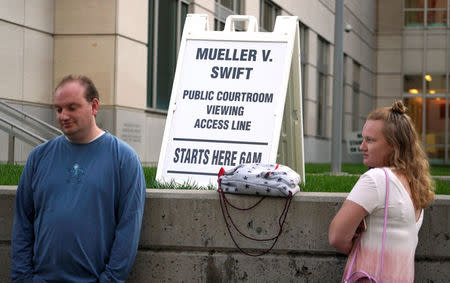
(95, 106)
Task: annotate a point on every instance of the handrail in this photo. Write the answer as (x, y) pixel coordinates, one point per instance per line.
(48, 126)
(23, 130)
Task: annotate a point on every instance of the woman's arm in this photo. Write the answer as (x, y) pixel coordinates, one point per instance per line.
(343, 227)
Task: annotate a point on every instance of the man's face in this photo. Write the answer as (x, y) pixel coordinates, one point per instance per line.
(75, 115)
(374, 146)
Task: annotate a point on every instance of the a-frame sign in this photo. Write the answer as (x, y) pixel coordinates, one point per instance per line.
(236, 98)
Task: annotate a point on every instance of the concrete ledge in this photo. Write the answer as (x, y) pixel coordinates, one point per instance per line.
(184, 238)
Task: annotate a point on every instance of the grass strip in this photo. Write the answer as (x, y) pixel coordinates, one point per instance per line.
(350, 168)
(329, 183)
(10, 174)
(316, 181)
(442, 187)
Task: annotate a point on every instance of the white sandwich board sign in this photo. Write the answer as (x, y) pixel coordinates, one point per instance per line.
(228, 98)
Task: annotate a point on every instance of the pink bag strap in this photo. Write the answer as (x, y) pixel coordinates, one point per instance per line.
(384, 233)
(385, 220)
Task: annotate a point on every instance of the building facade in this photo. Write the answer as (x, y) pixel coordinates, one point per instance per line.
(413, 57)
(394, 50)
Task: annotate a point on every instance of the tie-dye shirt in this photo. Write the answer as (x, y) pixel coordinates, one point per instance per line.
(401, 232)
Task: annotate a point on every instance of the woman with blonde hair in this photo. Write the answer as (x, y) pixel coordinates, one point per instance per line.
(390, 144)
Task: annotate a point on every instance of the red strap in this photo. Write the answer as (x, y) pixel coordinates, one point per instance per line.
(219, 181)
(221, 172)
(224, 202)
(226, 215)
(268, 173)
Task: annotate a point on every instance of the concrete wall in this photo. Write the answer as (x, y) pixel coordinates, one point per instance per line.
(184, 239)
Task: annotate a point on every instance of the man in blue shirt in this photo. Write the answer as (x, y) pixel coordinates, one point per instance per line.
(80, 199)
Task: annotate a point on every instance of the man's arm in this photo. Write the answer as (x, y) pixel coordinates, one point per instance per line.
(23, 232)
(131, 208)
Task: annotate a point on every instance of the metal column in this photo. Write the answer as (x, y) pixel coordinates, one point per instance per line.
(336, 136)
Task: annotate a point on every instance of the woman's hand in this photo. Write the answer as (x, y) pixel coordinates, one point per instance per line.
(361, 228)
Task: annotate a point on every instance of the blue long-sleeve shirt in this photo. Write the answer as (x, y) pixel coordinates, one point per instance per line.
(78, 212)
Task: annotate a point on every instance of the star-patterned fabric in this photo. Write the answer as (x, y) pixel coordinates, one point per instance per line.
(261, 179)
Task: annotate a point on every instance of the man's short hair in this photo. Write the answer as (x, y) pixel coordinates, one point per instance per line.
(90, 89)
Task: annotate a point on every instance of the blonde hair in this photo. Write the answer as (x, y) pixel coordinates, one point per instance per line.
(408, 157)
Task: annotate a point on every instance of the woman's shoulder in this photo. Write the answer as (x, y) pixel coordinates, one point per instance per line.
(377, 173)
(373, 179)
(368, 191)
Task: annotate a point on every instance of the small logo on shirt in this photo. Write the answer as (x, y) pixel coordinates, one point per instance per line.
(75, 174)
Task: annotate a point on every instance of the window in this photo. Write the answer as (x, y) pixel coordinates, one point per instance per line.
(322, 69)
(414, 105)
(166, 24)
(412, 84)
(150, 50)
(225, 8)
(414, 12)
(355, 96)
(427, 97)
(268, 14)
(436, 12)
(435, 129)
(303, 56)
(433, 83)
(425, 12)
